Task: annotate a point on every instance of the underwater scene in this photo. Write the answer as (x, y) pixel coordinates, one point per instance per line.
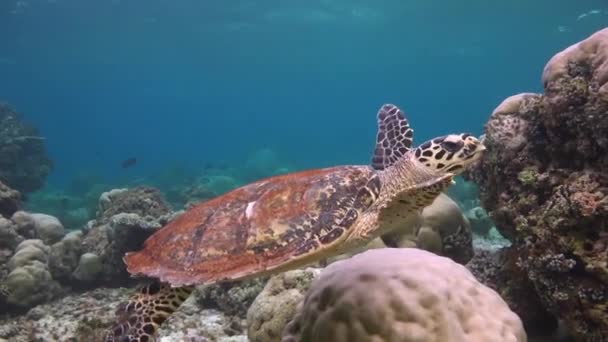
(303, 171)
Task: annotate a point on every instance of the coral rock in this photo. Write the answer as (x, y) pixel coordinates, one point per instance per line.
(24, 164)
(499, 270)
(64, 256)
(25, 224)
(402, 294)
(276, 305)
(88, 268)
(441, 228)
(591, 53)
(48, 228)
(550, 197)
(10, 200)
(508, 123)
(9, 238)
(481, 223)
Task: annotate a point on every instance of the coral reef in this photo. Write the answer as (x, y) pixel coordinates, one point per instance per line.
(125, 218)
(24, 164)
(262, 163)
(498, 270)
(85, 316)
(40, 262)
(142, 201)
(232, 298)
(10, 200)
(36, 258)
(440, 228)
(480, 221)
(29, 281)
(465, 193)
(544, 182)
(276, 305)
(73, 211)
(401, 294)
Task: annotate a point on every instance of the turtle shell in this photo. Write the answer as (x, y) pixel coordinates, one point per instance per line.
(258, 227)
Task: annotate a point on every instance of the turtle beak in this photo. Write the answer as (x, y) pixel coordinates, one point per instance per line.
(473, 147)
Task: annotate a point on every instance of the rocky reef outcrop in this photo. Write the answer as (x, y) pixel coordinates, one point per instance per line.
(10, 200)
(440, 228)
(30, 248)
(276, 305)
(86, 316)
(41, 260)
(24, 164)
(232, 298)
(544, 181)
(125, 218)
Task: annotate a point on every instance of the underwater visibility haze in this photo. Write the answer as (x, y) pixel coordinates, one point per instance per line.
(126, 124)
(208, 81)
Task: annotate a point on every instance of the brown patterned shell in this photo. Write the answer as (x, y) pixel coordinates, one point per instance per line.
(258, 227)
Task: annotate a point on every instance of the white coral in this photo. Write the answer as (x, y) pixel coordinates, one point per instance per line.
(404, 295)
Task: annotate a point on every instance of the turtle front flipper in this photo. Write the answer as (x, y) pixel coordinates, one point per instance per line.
(394, 137)
(139, 318)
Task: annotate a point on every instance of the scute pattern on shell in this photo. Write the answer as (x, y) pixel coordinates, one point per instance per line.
(258, 227)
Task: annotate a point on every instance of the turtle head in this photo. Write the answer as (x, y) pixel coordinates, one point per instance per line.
(450, 153)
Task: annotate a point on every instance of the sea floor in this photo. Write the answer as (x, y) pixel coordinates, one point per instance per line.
(76, 316)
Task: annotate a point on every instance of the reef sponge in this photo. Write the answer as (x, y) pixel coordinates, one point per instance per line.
(24, 164)
(401, 294)
(550, 194)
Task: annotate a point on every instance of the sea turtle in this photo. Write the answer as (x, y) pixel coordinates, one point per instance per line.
(288, 221)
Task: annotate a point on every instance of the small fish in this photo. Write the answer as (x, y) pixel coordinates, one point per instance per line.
(591, 12)
(128, 162)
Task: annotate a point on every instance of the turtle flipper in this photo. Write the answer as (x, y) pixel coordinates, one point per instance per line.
(394, 137)
(139, 318)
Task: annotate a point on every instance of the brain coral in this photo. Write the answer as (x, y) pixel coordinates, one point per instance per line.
(405, 295)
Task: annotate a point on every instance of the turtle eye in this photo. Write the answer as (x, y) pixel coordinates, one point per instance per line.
(451, 146)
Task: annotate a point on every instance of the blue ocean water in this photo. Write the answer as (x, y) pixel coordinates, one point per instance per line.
(193, 82)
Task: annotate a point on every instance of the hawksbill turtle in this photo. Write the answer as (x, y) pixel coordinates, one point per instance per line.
(288, 221)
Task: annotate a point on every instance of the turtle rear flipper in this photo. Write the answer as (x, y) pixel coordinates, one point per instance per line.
(140, 317)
